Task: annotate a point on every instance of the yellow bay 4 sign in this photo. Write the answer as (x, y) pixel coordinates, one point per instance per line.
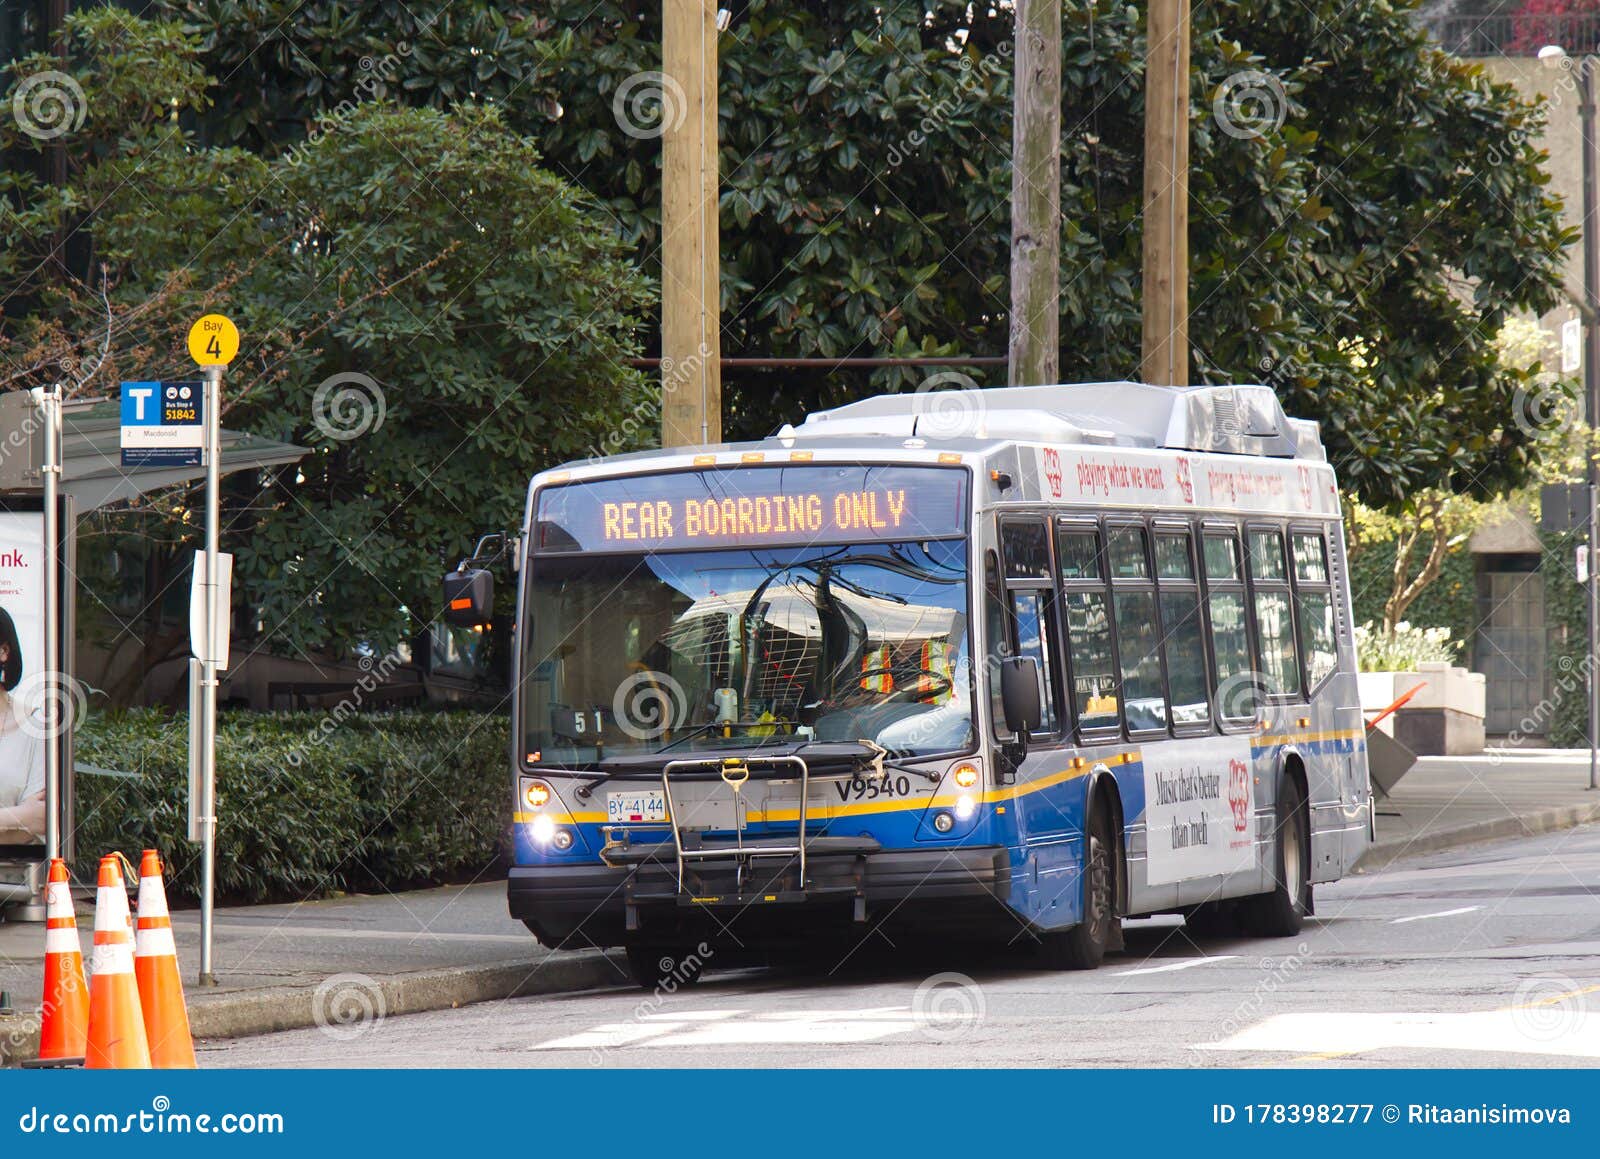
(213, 340)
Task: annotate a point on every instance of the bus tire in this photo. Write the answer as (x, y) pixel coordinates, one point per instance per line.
(1282, 912)
(1085, 944)
(664, 967)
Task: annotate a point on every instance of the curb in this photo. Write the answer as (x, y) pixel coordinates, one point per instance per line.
(240, 1013)
(1501, 828)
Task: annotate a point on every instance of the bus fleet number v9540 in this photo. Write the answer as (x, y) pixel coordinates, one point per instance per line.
(874, 788)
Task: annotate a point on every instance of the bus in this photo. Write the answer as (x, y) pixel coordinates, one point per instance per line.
(1080, 654)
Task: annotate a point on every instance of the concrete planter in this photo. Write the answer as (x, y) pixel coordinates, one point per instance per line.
(1444, 718)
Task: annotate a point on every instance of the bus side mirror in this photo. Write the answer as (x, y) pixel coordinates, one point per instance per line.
(468, 597)
(1019, 694)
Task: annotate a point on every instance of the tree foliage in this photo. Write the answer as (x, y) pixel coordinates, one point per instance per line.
(1358, 244)
(425, 307)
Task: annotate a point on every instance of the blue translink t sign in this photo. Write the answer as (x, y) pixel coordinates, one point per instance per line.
(162, 424)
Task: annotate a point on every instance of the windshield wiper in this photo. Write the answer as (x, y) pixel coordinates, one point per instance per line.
(703, 729)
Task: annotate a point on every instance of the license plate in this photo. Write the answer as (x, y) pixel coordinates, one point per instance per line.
(644, 805)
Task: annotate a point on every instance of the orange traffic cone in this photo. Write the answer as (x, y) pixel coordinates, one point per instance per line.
(116, 1026)
(155, 964)
(64, 1019)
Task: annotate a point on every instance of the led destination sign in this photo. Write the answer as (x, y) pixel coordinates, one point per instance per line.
(753, 505)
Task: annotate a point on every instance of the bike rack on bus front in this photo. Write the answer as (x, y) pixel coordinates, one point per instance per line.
(735, 772)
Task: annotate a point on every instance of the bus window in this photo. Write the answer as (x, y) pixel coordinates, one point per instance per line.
(1230, 649)
(1142, 695)
(1094, 681)
(1125, 553)
(997, 635)
(1033, 641)
(1075, 551)
(1266, 556)
(1280, 666)
(1310, 559)
(1027, 550)
(1186, 657)
(1314, 605)
(1173, 561)
(1316, 632)
(1222, 557)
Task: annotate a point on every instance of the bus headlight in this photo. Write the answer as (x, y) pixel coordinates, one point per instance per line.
(535, 794)
(544, 828)
(965, 776)
(943, 822)
(562, 840)
(966, 806)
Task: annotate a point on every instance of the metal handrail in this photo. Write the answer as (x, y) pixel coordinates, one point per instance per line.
(740, 852)
(1512, 33)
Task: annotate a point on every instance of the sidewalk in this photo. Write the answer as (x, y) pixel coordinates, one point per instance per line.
(370, 956)
(1448, 801)
(342, 961)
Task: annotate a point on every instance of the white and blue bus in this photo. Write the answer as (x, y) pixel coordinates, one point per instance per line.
(1017, 668)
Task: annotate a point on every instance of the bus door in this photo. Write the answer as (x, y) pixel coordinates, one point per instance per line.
(1024, 619)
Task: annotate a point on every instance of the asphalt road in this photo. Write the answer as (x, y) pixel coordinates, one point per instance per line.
(1487, 956)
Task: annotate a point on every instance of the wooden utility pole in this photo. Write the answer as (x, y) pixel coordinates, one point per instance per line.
(1035, 340)
(1166, 194)
(691, 322)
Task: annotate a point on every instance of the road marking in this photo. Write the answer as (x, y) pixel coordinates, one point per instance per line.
(1449, 913)
(1573, 1035)
(772, 1028)
(1181, 964)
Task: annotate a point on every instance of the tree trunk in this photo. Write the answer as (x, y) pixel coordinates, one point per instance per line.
(1166, 194)
(1035, 342)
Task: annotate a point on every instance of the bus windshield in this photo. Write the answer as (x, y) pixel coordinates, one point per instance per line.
(700, 650)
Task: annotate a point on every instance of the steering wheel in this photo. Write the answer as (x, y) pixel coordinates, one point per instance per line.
(895, 670)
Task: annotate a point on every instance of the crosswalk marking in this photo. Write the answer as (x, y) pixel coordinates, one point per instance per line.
(1572, 1034)
(742, 1028)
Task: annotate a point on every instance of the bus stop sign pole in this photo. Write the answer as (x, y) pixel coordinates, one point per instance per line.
(213, 341)
(208, 679)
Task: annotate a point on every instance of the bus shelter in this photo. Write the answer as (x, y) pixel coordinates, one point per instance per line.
(92, 476)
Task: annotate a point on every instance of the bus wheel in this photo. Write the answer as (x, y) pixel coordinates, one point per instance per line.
(667, 968)
(1281, 913)
(1084, 945)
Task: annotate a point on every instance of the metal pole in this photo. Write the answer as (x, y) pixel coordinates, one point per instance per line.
(1591, 383)
(208, 683)
(50, 409)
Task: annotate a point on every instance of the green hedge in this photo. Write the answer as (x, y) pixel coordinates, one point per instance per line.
(309, 805)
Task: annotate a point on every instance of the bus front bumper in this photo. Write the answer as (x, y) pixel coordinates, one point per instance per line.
(602, 905)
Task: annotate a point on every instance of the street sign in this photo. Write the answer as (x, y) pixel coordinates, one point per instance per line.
(1571, 345)
(163, 424)
(1563, 507)
(213, 341)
